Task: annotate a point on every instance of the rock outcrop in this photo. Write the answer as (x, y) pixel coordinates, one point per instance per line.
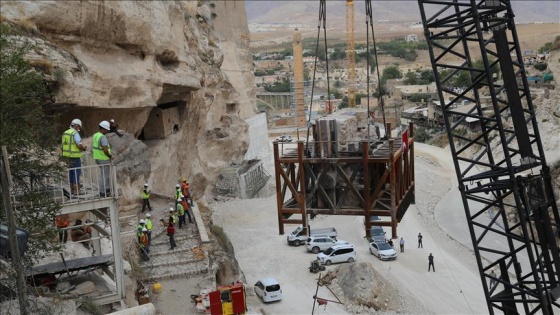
(176, 75)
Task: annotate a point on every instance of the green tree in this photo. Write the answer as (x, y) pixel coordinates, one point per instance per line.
(344, 103)
(411, 78)
(337, 84)
(30, 139)
(391, 72)
(546, 48)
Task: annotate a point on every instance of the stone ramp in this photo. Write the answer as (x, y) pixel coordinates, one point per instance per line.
(188, 258)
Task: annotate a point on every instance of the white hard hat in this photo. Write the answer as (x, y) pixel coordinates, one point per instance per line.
(112, 120)
(105, 125)
(179, 199)
(148, 215)
(142, 221)
(76, 122)
(144, 230)
(171, 209)
(146, 185)
(177, 185)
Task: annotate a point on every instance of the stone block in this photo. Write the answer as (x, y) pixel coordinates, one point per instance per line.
(84, 288)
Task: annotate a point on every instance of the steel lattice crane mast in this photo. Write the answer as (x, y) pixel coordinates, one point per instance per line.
(350, 53)
(507, 174)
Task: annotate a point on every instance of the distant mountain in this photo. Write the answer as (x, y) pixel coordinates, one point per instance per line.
(307, 12)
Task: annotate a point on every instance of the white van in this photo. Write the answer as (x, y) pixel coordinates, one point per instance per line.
(268, 290)
(338, 254)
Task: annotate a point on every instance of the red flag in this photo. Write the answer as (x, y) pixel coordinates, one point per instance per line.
(405, 140)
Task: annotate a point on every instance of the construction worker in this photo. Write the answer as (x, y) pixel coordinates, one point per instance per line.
(146, 198)
(172, 216)
(186, 192)
(102, 156)
(114, 128)
(79, 234)
(144, 245)
(149, 226)
(181, 212)
(177, 191)
(72, 151)
(141, 225)
(187, 208)
(62, 223)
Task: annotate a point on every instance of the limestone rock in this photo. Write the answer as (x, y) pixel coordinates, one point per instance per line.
(175, 75)
(84, 288)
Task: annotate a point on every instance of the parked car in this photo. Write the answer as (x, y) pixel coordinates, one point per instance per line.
(377, 234)
(316, 244)
(383, 251)
(284, 138)
(297, 237)
(338, 254)
(268, 290)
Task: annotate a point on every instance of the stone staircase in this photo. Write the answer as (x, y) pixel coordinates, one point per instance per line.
(188, 258)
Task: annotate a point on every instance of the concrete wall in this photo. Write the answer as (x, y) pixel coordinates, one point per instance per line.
(259, 146)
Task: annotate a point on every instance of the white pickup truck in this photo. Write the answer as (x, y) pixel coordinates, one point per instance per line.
(297, 238)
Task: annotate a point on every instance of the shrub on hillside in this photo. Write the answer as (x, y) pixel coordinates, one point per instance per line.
(540, 66)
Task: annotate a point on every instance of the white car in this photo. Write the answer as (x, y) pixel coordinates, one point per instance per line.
(383, 251)
(268, 290)
(338, 254)
(316, 244)
(284, 138)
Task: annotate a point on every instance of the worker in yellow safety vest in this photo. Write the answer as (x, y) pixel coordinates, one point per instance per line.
(149, 226)
(72, 151)
(172, 216)
(102, 156)
(146, 198)
(181, 212)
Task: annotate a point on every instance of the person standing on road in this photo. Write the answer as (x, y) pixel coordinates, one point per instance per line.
(401, 243)
(431, 263)
(102, 156)
(171, 234)
(146, 198)
(420, 241)
(72, 151)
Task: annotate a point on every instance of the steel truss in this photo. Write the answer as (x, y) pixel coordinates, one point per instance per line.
(319, 177)
(507, 172)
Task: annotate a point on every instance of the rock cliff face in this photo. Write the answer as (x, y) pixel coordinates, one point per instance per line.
(176, 75)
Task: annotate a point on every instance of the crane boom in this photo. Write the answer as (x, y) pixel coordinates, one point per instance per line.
(503, 176)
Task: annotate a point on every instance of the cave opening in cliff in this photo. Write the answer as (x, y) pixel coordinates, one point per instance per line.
(163, 120)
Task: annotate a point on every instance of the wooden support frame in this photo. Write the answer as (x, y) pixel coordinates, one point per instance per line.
(376, 180)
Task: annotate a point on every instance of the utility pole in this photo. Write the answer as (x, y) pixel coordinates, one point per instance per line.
(6, 184)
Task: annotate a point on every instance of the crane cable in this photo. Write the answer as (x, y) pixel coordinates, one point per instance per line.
(322, 22)
(369, 20)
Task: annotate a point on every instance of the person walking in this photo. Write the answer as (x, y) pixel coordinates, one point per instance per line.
(401, 243)
(177, 191)
(171, 234)
(72, 151)
(146, 198)
(181, 212)
(141, 225)
(186, 192)
(62, 223)
(102, 156)
(149, 226)
(431, 263)
(172, 216)
(144, 246)
(420, 240)
(187, 208)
